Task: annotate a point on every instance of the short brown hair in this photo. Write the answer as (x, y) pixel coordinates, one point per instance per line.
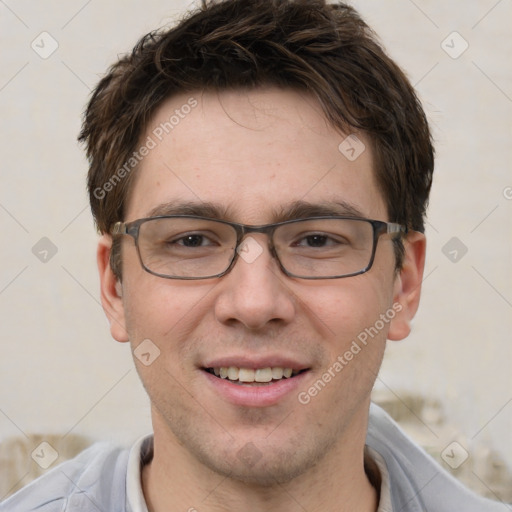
(324, 49)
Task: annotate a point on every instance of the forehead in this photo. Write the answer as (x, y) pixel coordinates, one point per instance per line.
(251, 153)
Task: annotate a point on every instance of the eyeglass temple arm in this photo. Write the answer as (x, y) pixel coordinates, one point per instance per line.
(393, 228)
(119, 228)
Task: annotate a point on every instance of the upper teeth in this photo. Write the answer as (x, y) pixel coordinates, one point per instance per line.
(251, 375)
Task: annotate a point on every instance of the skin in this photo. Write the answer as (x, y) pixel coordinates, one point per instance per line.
(253, 153)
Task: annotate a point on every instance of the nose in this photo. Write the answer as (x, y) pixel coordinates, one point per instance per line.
(255, 293)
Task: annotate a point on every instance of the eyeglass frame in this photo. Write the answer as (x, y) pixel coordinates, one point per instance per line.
(379, 228)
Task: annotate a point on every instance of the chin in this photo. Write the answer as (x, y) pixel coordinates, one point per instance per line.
(264, 466)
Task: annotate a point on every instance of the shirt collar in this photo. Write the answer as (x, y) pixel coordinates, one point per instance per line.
(141, 453)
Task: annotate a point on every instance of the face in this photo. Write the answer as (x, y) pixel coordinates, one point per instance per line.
(251, 157)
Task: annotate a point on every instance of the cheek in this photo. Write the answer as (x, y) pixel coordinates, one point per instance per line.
(163, 310)
(342, 309)
(165, 313)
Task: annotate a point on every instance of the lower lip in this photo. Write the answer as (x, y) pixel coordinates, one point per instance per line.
(255, 396)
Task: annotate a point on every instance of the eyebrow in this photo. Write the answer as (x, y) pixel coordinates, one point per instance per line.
(304, 209)
(291, 211)
(198, 209)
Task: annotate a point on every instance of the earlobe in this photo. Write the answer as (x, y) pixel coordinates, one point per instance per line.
(111, 291)
(407, 289)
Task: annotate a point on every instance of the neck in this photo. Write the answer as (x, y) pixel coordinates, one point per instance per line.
(175, 481)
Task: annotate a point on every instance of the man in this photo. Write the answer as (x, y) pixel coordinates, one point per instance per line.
(259, 175)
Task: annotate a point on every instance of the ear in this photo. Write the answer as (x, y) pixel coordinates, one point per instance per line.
(111, 291)
(407, 288)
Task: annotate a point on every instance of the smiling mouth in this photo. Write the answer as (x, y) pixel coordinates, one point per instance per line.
(254, 377)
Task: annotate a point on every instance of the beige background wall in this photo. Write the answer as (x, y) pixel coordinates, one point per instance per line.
(60, 371)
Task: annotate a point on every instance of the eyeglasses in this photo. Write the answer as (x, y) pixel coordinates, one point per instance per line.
(190, 247)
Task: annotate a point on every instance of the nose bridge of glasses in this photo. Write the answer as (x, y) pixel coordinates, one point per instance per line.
(245, 231)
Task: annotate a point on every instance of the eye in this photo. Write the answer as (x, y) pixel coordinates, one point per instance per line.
(318, 240)
(192, 240)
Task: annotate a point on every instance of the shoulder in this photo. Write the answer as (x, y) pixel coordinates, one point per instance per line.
(417, 482)
(93, 480)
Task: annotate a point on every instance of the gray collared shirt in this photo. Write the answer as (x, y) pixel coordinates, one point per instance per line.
(107, 478)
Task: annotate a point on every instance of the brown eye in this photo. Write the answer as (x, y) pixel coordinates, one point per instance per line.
(192, 241)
